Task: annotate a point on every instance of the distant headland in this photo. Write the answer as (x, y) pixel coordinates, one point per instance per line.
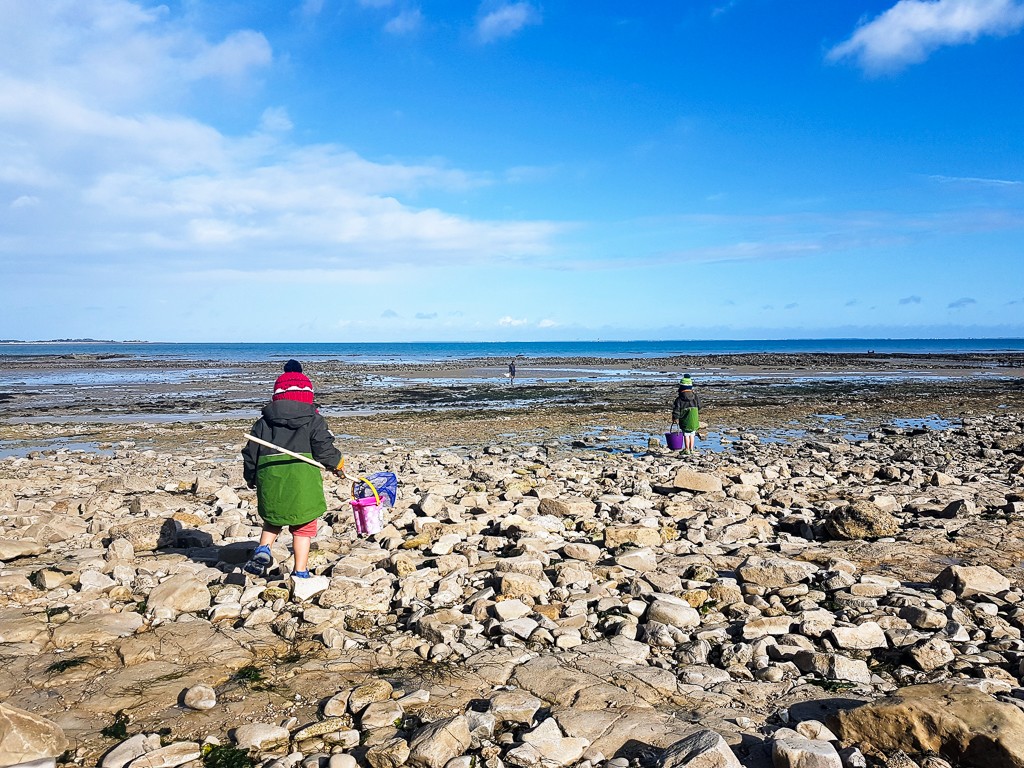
(73, 341)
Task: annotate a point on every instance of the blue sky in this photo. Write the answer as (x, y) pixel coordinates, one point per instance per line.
(392, 170)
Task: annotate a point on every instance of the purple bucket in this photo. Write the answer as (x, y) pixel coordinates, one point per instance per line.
(369, 515)
(674, 440)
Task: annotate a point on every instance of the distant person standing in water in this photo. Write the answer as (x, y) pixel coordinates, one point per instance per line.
(685, 412)
(512, 373)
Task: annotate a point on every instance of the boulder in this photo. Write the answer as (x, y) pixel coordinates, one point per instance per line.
(25, 737)
(968, 581)
(181, 593)
(860, 520)
(703, 749)
(148, 534)
(687, 479)
(960, 723)
(439, 742)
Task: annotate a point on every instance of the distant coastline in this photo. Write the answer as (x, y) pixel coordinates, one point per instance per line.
(74, 341)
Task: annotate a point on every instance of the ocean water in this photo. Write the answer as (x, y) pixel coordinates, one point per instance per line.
(413, 352)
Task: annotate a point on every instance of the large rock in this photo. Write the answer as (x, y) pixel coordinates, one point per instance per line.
(774, 572)
(962, 724)
(687, 479)
(546, 746)
(12, 549)
(861, 519)
(968, 581)
(147, 534)
(703, 749)
(439, 742)
(181, 593)
(25, 738)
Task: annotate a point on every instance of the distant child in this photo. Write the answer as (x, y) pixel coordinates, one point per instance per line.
(512, 372)
(685, 412)
(290, 492)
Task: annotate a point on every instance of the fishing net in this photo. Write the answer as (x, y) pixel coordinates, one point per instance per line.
(386, 484)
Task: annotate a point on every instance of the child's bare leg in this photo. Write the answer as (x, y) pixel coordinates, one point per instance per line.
(268, 537)
(301, 544)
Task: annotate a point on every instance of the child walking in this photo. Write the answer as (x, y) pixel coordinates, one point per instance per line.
(289, 492)
(685, 412)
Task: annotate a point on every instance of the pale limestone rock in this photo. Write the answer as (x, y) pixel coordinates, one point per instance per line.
(439, 742)
(260, 736)
(703, 749)
(26, 737)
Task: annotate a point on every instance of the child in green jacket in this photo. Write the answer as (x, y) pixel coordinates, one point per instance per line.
(685, 412)
(289, 492)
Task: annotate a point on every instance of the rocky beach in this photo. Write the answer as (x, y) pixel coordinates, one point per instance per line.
(835, 580)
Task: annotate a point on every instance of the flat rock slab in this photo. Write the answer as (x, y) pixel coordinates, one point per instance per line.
(963, 725)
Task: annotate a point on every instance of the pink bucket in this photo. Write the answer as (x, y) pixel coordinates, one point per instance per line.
(369, 515)
(674, 440)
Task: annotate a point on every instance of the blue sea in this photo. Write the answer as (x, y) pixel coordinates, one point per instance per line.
(414, 352)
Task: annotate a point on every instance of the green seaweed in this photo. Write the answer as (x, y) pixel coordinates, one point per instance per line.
(226, 756)
(65, 664)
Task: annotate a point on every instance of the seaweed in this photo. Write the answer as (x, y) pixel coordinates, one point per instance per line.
(65, 664)
(226, 756)
(118, 729)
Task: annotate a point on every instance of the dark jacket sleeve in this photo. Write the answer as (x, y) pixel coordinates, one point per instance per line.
(677, 409)
(251, 454)
(321, 441)
(696, 400)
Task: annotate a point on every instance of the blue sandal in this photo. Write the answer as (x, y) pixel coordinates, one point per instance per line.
(260, 561)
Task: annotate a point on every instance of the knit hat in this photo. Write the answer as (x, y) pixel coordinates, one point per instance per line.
(293, 386)
(293, 366)
(686, 381)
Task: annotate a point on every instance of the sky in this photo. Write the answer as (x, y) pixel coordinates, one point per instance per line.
(394, 170)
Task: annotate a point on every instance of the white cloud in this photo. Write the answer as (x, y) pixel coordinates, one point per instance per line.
(131, 183)
(512, 322)
(911, 30)
(25, 201)
(505, 21)
(547, 323)
(275, 120)
(408, 22)
(977, 181)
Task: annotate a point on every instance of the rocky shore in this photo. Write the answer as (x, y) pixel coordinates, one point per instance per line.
(823, 601)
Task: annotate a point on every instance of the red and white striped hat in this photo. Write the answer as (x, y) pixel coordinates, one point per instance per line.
(293, 386)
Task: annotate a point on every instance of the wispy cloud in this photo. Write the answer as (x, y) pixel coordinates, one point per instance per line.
(388, 314)
(512, 322)
(408, 22)
(966, 301)
(426, 315)
(275, 120)
(504, 20)
(851, 303)
(977, 181)
(911, 30)
(791, 305)
(547, 323)
(910, 300)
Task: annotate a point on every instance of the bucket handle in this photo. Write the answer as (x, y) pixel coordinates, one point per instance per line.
(376, 495)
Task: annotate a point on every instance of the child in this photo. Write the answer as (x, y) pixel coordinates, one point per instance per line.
(290, 492)
(685, 412)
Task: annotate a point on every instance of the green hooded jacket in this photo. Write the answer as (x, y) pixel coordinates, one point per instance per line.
(289, 491)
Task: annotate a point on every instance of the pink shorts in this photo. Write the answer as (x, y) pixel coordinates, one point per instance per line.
(306, 529)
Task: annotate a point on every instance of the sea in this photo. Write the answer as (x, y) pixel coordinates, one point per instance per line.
(426, 352)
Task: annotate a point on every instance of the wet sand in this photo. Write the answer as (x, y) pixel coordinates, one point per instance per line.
(90, 402)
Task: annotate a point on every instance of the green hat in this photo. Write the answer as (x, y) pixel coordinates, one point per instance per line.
(686, 381)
